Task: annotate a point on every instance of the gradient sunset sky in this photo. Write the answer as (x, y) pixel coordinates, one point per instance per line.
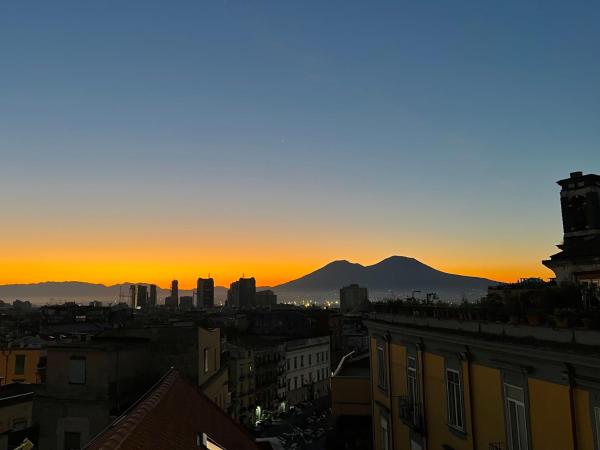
(151, 140)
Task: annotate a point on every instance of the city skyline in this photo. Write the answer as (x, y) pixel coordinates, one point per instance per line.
(169, 141)
(190, 281)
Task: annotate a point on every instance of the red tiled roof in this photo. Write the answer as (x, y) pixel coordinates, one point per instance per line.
(171, 416)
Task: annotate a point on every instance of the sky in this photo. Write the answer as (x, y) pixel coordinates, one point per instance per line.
(151, 140)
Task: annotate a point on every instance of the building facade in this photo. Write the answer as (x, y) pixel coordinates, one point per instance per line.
(205, 293)
(241, 383)
(308, 369)
(22, 365)
(213, 378)
(266, 298)
(351, 402)
(87, 385)
(579, 258)
(354, 298)
(456, 385)
(257, 374)
(242, 293)
(172, 300)
(16, 415)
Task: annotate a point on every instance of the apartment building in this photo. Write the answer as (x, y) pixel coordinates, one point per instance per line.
(458, 385)
(213, 378)
(351, 402)
(257, 374)
(241, 383)
(308, 368)
(22, 365)
(87, 385)
(16, 415)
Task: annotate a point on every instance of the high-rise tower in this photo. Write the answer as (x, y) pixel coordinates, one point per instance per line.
(205, 293)
(175, 293)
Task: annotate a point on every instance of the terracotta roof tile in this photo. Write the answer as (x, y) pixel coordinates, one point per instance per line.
(171, 416)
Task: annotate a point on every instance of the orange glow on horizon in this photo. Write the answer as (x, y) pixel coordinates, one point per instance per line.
(108, 253)
(267, 274)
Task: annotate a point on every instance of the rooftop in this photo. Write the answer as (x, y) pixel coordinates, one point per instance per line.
(565, 341)
(15, 393)
(353, 365)
(173, 414)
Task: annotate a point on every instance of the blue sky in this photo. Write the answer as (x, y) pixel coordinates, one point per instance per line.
(362, 129)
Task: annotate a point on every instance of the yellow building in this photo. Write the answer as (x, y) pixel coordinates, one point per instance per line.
(213, 378)
(351, 402)
(22, 365)
(351, 387)
(456, 385)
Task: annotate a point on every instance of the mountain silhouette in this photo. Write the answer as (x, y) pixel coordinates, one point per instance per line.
(396, 275)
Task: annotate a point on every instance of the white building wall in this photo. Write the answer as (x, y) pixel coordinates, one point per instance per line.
(308, 369)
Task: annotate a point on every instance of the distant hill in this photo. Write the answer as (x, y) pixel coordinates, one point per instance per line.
(396, 276)
(61, 291)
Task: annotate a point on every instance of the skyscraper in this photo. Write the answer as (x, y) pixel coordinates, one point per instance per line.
(233, 294)
(242, 293)
(205, 293)
(152, 298)
(142, 296)
(132, 296)
(175, 293)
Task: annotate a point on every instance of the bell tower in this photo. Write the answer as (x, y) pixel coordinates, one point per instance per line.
(580, 204)
(579, 259)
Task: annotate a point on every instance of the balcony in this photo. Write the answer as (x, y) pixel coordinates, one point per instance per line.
(497, 446)
(411, 413)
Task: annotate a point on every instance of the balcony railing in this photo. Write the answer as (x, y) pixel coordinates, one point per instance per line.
(497, 446)
(411, 413)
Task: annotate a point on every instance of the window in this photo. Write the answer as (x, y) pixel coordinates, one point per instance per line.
(455, 401)
(318, 354)
(385, 435)
(72, 440)
(295, 362)
(77, 370)
(302, 380)
(309, 360)
(289, 385)
(295, 382)
(19, 424)
(411, 380)
(381, 367)
(301, 360)
(517, 420)
(19, 364)
(288, 364)
(206, 360)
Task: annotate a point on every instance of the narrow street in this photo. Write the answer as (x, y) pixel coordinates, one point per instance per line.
(304, 427)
